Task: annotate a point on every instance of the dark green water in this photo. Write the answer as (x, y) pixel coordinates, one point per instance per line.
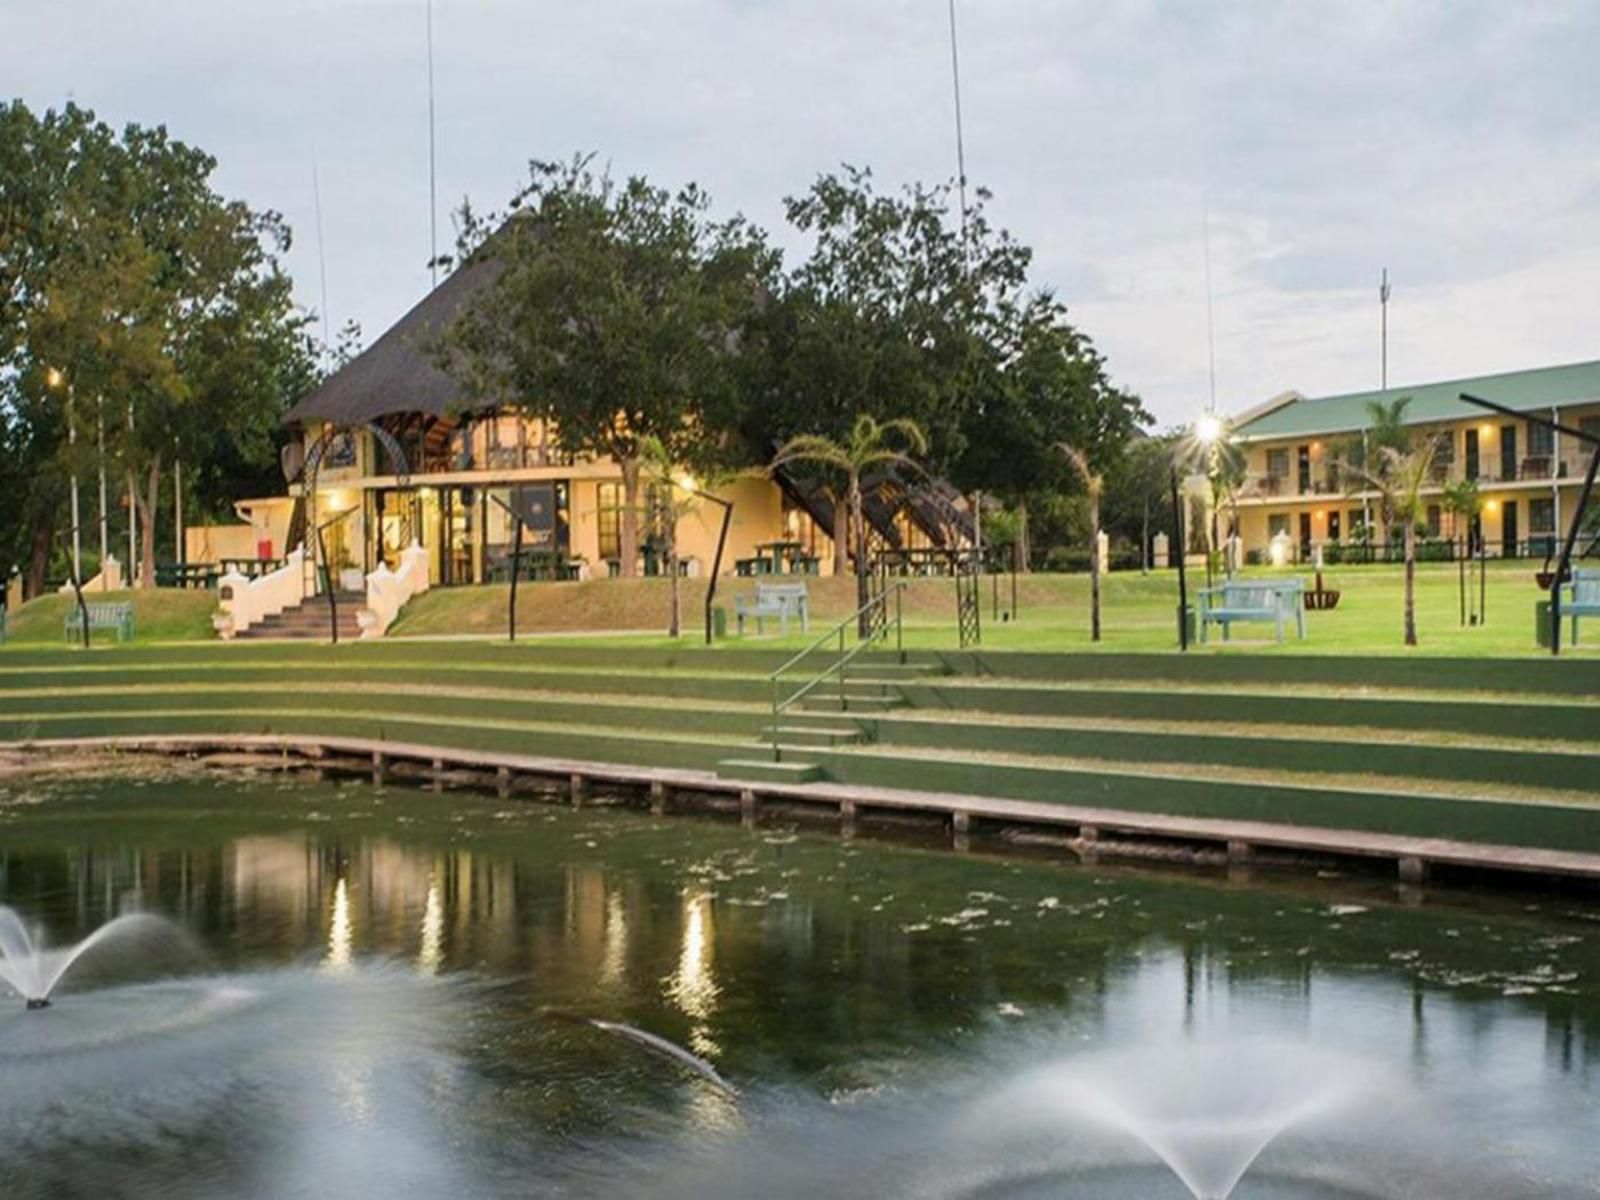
(387, 993)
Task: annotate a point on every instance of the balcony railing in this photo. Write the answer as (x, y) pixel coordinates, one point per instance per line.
(1531, 469)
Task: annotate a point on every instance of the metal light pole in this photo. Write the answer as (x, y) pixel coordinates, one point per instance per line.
(722, 540)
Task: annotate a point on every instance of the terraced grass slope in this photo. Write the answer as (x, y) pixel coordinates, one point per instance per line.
(1504, 752)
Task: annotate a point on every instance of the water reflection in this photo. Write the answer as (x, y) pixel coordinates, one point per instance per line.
(431, 955)
(838, 971)
(693, 986)
(339, 928)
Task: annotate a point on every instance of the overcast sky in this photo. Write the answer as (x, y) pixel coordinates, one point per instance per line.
(1456, 143)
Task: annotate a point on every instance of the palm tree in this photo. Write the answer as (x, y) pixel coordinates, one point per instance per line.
(1094, 485)
(867, 446)
(1397, 466)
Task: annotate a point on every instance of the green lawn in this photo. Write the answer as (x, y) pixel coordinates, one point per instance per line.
(1138, 613)
(159, 615)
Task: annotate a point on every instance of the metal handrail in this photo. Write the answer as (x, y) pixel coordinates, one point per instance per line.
(840, 665)
(327, 572)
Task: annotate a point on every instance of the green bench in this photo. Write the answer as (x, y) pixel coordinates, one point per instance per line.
(1272, 600)
(101, 616)
(781, 600)
(1582, 598)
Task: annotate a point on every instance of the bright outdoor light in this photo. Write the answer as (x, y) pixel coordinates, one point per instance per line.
(687, 482)
(1208, 428)
(53, 378)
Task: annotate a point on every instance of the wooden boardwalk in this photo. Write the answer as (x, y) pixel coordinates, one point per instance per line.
(1240, 841)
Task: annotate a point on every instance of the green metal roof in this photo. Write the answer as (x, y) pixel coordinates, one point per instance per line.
(1542, 387)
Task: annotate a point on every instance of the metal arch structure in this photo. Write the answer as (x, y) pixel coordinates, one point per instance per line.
(398, 462)
(1564, 566)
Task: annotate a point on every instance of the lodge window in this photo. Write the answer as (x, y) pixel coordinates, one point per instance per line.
(609, 517)
(1278, 463)
(1541, 441)
(1435, 520)
(1277, 522)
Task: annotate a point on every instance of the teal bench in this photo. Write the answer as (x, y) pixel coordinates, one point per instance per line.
(781, 600)
(1276, 601)
(101, 616)
(1582, 598)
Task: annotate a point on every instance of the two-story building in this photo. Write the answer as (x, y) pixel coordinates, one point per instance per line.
(389, 451)
(1528, 476)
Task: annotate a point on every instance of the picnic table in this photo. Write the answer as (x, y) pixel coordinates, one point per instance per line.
(783, 556)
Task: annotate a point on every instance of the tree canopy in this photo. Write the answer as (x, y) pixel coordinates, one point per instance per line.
(616, 316)
(157, 304)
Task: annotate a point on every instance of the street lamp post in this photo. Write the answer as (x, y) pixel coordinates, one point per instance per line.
(687, 483)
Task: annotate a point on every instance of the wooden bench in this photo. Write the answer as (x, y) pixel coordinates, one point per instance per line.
(1273, 600)
(1582, 598)
(101, 616)
(781, 600)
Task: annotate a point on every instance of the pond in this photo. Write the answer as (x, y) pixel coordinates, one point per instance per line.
(405, 994)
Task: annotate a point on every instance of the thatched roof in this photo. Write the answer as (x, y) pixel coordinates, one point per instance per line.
(397, 373)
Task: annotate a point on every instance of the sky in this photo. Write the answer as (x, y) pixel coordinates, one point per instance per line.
(1308, 145)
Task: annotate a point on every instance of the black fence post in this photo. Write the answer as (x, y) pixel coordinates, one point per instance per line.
(1183, 585)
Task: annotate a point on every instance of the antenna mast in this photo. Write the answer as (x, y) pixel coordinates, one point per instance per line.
(322, 258)
(1211, 331)
(961, 150)
(433, 203)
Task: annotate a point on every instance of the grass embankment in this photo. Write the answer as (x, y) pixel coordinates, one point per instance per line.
(159, 615)
(1138, 613)
(1347, 742)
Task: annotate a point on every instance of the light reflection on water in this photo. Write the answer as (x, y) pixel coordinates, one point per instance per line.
(861, 987)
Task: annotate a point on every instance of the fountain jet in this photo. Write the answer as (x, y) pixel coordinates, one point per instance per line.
(1207, 1110)
(33, 971)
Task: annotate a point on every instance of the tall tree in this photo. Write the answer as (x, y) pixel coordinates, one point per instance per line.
(160, 302)
(1137, 485)
(617, 314)
(1053, 386)
(870, 447)
(894, 311)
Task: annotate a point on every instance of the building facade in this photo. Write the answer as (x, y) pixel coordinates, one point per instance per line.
(389, 452)
(1298, 494)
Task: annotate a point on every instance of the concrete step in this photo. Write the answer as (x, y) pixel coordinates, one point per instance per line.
(764, 770)
(823, 702)
(311, 620)
(814, 735)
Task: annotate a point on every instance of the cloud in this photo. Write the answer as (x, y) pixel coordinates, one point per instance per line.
(1451, 141)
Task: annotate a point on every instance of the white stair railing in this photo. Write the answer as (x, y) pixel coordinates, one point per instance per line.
(388, 591)
(245, 602)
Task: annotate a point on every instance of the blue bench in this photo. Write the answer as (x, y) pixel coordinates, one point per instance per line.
(781, 600)
(1276, 601)
(1582, 596)
(101, 616)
